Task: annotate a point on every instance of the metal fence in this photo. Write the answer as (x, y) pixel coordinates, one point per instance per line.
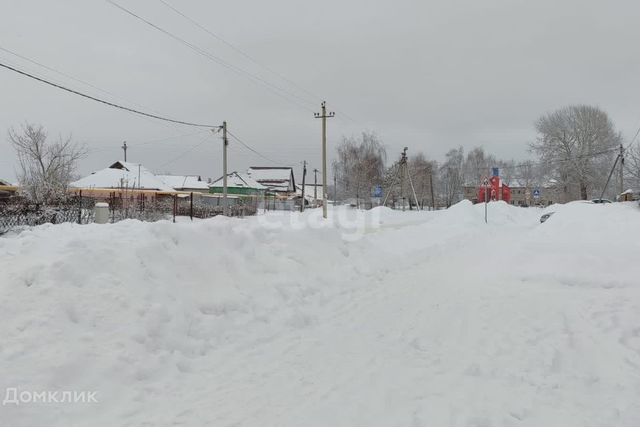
(17, 212)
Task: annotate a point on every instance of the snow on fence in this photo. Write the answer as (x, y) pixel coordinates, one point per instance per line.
(17, 212)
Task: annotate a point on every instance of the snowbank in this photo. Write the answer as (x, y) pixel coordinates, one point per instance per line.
(383, 318)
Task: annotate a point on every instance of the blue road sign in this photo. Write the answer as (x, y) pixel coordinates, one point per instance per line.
(377, 191)
(536, 193)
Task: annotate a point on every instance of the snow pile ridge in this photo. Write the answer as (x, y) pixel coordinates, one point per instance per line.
(423, 318)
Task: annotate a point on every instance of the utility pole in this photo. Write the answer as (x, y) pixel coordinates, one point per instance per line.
(335, 189)
(225, 143)
(401, 174)
(606, 184)
(315, 186)
(323, 115)
(304, 176)
(124, 147)
(621, 171)
(433, 199)
(486, 200)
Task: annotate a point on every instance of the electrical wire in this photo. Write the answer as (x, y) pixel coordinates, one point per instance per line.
(54, 70)
(546, 162)
(248, 147)
(103, 147)
(633, 140)
(250, 58)
(69, 76)
(184, 153)
(111, 104)
(288, 96)
(238, 50)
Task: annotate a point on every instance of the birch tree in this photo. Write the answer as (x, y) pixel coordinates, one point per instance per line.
(451, 177)
(359, 165)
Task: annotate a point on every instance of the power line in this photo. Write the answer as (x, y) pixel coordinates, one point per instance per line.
(111, 146)
(184, 153)
(54, 70)
(546, 162)
(275, 89)
(249, 57)
(238, 50)
(69, 76)
(633, 140)
(248, 147)
(111, 104)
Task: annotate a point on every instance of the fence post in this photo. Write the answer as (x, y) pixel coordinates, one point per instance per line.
(113, 207)
(80, 208)
(191, 207)
(175, 206)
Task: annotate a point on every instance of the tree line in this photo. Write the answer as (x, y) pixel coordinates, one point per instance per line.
(574, 151)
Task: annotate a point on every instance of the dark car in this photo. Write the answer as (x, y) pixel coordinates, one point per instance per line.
(546, 216)
(600, 201)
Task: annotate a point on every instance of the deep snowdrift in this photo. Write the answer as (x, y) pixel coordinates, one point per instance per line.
(382, 318)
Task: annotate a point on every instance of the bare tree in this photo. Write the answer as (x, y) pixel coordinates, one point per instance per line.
(632, 167)
(477, 166)
(359, 165)
(45, 168)
(422, 172)
(527, 173)
(451, 177)
(576, 144)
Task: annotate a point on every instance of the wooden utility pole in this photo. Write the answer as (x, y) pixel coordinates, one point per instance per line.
(621, 170)
(315, 186)
(433, 199)
(124, 147)
(304, 176)
(225, 143)
(323, 115)
(402, 173)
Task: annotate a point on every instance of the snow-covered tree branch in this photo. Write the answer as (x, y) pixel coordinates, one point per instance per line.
(44, 168)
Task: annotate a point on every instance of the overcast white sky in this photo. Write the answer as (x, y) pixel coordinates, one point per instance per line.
(430, 75)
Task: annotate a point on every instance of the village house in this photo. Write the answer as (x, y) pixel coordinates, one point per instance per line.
(521, 194)
(239, 184)
(7, 189)
(279, 180)
(188, 183)
(312, 193)
(122, 175)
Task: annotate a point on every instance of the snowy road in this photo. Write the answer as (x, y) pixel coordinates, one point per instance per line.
(427, 319)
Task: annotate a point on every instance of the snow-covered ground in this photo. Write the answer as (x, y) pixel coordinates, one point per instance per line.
(380, 319)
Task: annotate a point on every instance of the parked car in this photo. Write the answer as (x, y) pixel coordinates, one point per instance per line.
(600, 201)
(546, 216)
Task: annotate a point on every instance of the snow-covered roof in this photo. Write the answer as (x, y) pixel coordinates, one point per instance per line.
(309, 191)
(270, 173)
(4, 182)
(180, 182)
(239, 180)
(123, 174)
(516, 183)
(275, 178)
